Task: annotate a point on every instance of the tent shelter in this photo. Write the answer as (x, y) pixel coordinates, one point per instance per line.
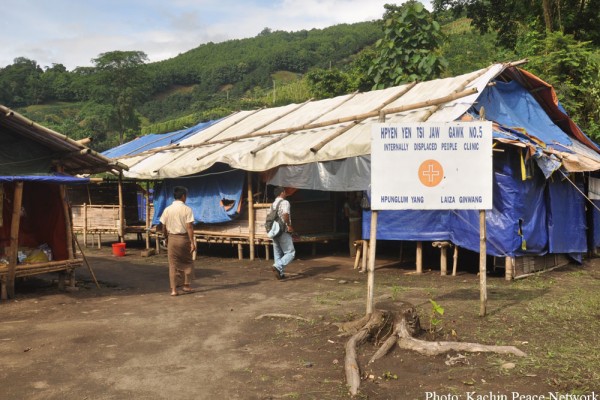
(35, 222)
(97, 207)
(325, 145)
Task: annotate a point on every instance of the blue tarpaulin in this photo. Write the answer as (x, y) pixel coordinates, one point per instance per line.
(511, 105)
(206, 195)
(153, 141)
(55, 178)
(530, 213)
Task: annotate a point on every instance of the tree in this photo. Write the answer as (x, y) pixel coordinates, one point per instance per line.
(122, 87)
(573, 68)
(20, 83)
(409, 49)
(511, 18)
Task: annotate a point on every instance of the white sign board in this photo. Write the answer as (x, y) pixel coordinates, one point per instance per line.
(431, 166)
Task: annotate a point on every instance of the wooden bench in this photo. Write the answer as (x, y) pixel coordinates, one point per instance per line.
(23, 270)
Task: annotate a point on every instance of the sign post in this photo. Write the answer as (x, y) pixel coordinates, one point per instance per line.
(434, 166)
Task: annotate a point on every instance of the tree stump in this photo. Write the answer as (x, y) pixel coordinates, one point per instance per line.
(398, 323)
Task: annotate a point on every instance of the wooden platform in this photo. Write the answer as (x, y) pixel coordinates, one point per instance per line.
(23, 270)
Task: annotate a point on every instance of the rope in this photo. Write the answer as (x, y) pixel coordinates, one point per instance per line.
(579, 190)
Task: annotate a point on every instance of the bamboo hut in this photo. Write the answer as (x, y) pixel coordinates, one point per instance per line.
(325, 145)
(36, 234)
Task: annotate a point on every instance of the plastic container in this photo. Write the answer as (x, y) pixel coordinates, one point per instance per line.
(118, 249)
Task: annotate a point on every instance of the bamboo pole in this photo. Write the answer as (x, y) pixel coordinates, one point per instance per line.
(419, 258)
(251, 216)
(455, 260)
(148, 222)
(482, 265)
(509, 268)
(87, 263)
(68, 223)
(85, 224)
(371, 114)
(343, 130)
(14, 238)
(371, 263)
(121, 209)
(443, 261)
(279, 138)
(334, 135)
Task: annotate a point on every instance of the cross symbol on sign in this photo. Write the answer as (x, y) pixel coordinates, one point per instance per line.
(431, 173)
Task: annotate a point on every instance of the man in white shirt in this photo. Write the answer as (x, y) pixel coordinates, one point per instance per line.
(178, 227)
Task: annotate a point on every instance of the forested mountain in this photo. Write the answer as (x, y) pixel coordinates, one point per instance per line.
(207, 82)
(123, 96)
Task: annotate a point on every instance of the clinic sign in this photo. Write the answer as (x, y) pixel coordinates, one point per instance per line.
(431, 166)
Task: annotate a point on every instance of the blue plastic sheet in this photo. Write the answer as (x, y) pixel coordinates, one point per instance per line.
(511, 105)
(152, 141)
(205, 194)
(529, 212)
(566, 208)
(54, 178)
(528, 217)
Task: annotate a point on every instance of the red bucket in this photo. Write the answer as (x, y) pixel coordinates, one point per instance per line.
(118, 249)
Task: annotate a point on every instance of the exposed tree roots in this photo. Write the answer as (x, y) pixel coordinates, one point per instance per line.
(399, 327)
(284, 316)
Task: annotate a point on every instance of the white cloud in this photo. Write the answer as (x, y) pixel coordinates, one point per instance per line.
(72, 32)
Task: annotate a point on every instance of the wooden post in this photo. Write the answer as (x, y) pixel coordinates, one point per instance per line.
(14, 238)
(250, 216)
(509, 268)
(365, 255)
(68, 224)
(482, 265)
(419, 257)
(121, 210)
(371, 264)
(85, 224)
(443, 261)
(455, 260)
(148, 222)
(267, 251)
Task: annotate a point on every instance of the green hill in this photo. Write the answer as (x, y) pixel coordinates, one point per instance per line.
(210, 81)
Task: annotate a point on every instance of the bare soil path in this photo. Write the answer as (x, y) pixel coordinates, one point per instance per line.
(131, 340)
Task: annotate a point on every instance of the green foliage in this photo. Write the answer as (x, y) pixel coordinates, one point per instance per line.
(573, 68)
(208, 82)
(510, 19)
(466, 50)
(121, 97)
(435, 317)
(408, 50)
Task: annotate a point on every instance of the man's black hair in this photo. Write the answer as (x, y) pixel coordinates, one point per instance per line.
(179, 192)
(277, 191)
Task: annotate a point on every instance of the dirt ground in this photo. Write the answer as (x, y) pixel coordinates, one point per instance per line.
(131, 340)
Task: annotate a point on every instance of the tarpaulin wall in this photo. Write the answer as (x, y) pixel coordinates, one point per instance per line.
(42, 218)
(205, 195)
(528, 216)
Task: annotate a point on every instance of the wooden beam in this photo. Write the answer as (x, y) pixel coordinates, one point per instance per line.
(14, 238)
(121, 210)
(251, 217)
(482, 265)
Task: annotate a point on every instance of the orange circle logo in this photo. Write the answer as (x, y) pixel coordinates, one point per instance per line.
(431, 173)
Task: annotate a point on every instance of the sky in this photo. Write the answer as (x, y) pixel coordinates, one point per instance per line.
(73, 32)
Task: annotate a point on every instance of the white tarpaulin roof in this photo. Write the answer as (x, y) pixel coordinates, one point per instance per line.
(315, 131)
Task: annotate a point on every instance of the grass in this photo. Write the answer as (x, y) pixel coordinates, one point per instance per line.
(553, 317)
